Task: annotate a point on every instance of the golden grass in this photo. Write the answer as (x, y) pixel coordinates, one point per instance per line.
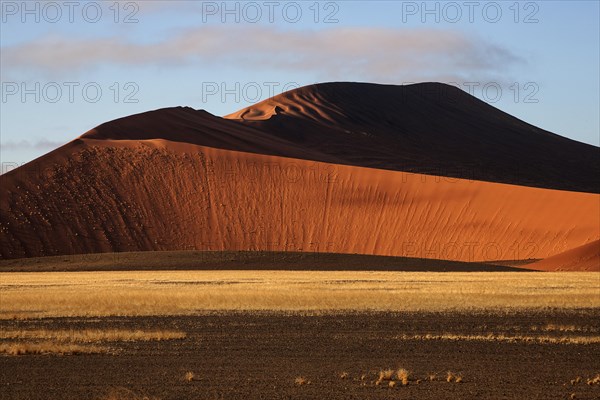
(92, 335)
(565, 328)
(138, 293)
(493, 337)
(69, 342)
(19, 348)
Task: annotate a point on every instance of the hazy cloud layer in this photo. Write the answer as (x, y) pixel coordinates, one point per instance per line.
(369, 53)
(42, 144)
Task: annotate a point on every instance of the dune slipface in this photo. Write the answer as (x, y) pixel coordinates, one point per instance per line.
(179, 179)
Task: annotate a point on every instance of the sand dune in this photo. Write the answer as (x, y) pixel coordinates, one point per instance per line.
(582, 258)
(427, 128)
(107, 196)
(180, 179)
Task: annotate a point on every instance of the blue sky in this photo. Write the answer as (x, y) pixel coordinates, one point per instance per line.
(69, 66)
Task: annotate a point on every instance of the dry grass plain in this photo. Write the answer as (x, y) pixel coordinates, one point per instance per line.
(204, 335)
(160, 293)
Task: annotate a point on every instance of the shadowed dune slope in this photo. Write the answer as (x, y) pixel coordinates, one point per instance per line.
(582, 258)
(428, 128)
(241, 260)
(101, 195)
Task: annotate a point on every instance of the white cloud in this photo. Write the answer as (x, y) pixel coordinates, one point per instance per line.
(368, 53)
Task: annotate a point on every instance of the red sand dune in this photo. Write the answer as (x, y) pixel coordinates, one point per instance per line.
(427, 128)
(178, 179)
(582, 258)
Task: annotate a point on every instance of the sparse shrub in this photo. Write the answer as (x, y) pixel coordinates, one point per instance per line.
(189, 376)
(363, 377)
(418, 382)
(392, 384)
(344, 375)
(432, 377)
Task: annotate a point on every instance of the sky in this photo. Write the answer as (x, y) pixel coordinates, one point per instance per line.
(68, 66)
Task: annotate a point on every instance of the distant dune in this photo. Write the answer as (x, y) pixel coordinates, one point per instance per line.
(181, 179)
(582, 258)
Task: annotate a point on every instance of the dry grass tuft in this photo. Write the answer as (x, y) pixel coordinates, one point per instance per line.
(189, 376)
(432, 376)
(301, 381)
(453, 377)
(386, 375)
(449, 377)
(403, 376)
(392, 384)
(594, 381)
(18, 349)
(344, 375)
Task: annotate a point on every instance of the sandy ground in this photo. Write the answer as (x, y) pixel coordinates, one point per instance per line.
(259, 356)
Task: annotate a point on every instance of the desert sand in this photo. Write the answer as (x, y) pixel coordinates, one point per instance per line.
(429, 128)
(582, 258)
(269, 179)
